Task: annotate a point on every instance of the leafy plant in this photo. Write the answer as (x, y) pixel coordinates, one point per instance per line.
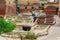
(42, 11)
(22, 35)
(31, 36)
(31, 10)
(42, 5)
(28, 35)
(6, 26)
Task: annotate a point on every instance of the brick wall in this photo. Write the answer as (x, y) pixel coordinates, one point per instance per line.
(2, 7)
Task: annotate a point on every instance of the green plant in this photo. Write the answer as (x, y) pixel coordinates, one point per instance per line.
(42, 5)
(31, 10)
(42, 11)
(30, 36)
(6, 26)
(21, 35)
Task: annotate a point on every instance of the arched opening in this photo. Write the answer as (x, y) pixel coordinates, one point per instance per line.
(51, 10)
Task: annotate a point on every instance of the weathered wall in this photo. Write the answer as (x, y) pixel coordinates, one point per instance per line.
(2, 7)
(26, 1)
(10, 7)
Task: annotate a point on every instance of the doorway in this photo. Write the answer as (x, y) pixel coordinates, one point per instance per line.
(51, 10)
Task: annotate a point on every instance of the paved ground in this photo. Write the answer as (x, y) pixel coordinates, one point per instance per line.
(54, 32)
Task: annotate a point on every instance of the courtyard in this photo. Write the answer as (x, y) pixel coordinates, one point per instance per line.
(53, 33)
(30, 20)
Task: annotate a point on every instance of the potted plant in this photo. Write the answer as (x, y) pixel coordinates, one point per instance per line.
(6, 26)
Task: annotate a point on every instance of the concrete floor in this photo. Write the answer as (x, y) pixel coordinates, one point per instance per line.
(54, 32)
